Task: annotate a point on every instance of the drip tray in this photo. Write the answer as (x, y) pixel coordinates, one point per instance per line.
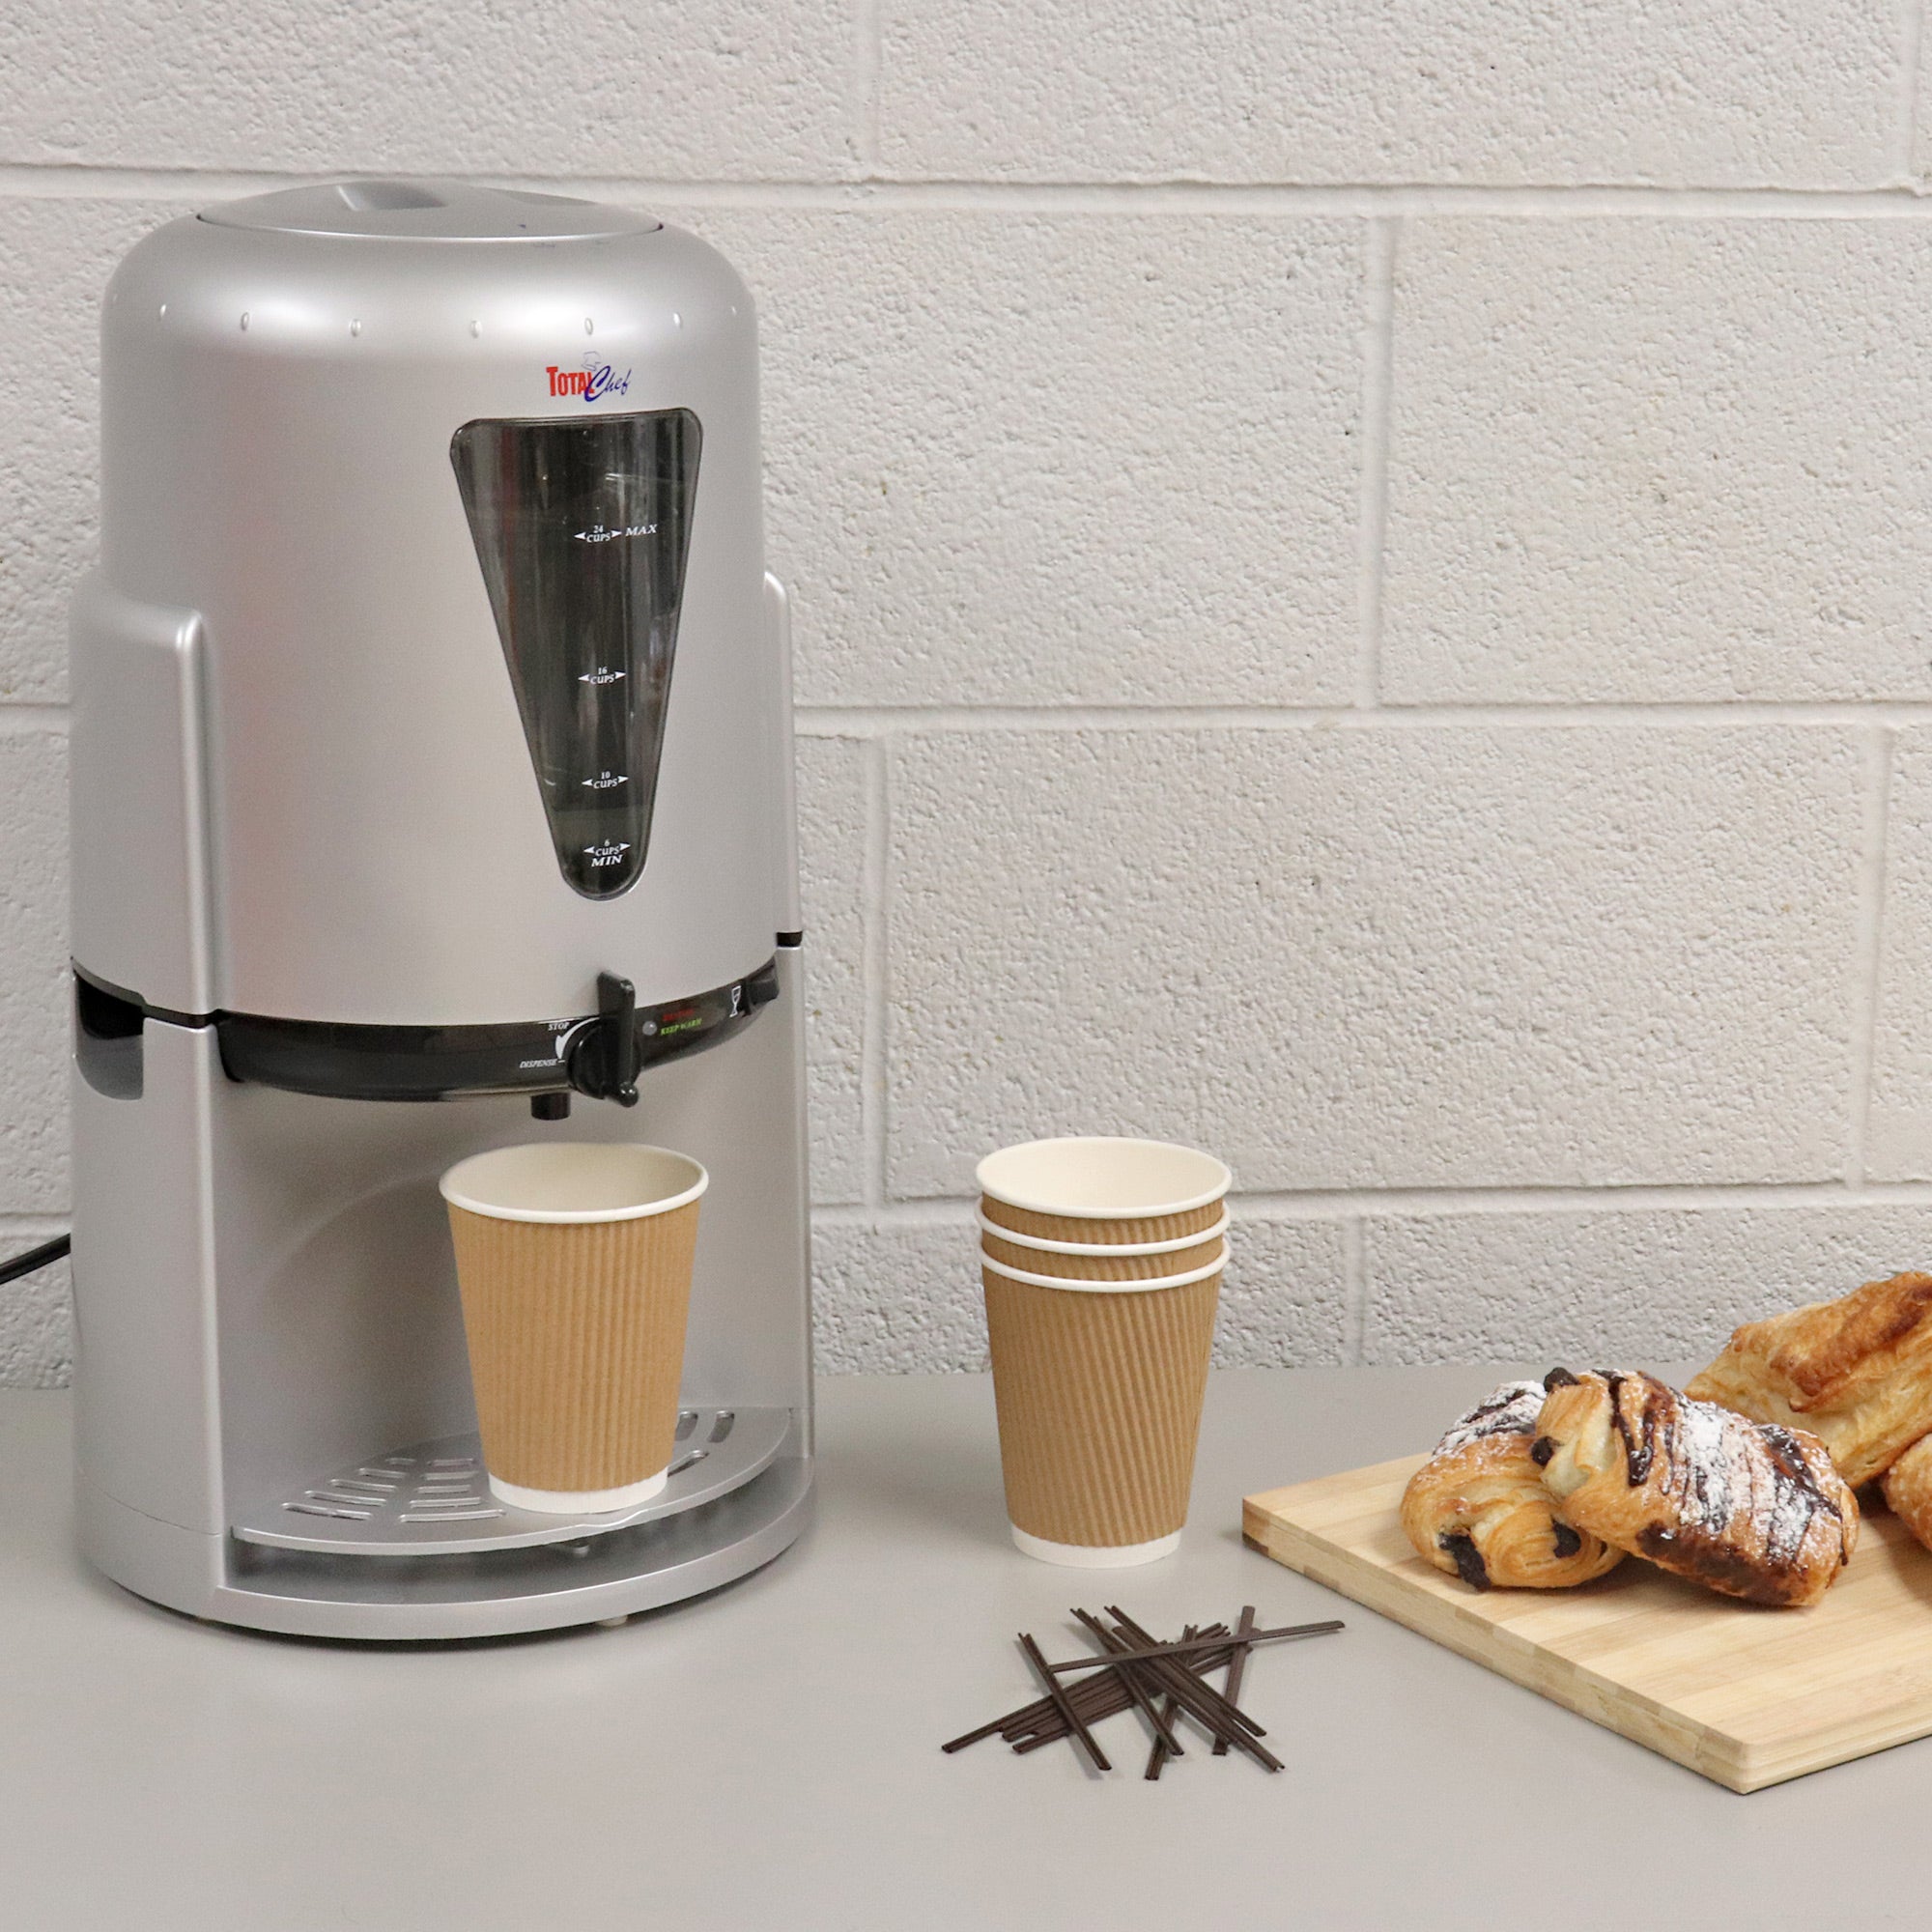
(433, 1499)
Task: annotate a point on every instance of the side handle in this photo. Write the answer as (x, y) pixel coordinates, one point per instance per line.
(138, 782)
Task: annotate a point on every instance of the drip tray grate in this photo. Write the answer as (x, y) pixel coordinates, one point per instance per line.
(433, 1498)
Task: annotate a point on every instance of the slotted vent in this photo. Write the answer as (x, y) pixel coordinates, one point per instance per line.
(413, 1489)
(435, 1496)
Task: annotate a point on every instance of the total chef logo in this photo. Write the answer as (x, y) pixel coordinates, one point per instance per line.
(593, 382)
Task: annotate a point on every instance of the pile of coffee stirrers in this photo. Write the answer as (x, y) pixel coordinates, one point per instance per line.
(1132, 1670)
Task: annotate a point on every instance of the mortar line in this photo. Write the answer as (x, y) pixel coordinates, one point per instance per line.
(27, 1229)
(1363, 200)
(24, 718)
(1532, 1198)
(1340, 1203)
(872, 1124)
(1912, 55)
(1354, 1290)
(866, 54)
(1867, 946)
(859, 721)
(1378, 258)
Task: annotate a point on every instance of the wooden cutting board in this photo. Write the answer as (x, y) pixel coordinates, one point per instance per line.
(1747, 1696)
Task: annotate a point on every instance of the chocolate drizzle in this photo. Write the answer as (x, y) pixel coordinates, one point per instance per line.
(1749, 1509)
(1639, 1452)
(1789, 1462)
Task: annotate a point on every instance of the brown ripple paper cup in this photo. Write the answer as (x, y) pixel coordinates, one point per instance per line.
(1101, 1189)
(1102, 1263)
(574, 1263)
(1098, 1388)
(1097, 1233)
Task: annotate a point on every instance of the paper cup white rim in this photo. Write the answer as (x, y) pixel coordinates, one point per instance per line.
(1102, 1287)
(992, 1261)
(1036, 1205)
(1020, 1241)
(572, 1216)
(580, 1502)
(1096, 1555)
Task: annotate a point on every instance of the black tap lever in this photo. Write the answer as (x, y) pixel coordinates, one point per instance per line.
(605, 1062)
(617, 1003)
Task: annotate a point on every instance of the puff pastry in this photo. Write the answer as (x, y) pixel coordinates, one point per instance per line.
(1908, 1489)
(1477, 1508)
(1857, 1373)
(1751, 1509)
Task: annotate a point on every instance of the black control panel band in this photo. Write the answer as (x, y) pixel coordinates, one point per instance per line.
(442, 1063)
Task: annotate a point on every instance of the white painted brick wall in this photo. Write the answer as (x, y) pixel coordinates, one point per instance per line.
(32, 922)
(735, 90)
(1730, 501)
(1735, 92)
(1361, 582)
(55, 257)
(1901, 1073)
(1043, 458)
(1467, 955)
(1644, 1284)
(834, 809)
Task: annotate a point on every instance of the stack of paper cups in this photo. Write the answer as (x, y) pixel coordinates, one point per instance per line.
(1101, 1260)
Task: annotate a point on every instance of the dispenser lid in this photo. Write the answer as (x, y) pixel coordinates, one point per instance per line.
(428, 210)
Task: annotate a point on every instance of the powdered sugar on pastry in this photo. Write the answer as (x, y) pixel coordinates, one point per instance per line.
(1477, 1508)
(1512, 1408)
(1736, 1468)
(1752, 1509)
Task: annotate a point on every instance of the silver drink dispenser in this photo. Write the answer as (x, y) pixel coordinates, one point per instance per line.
(431, 790)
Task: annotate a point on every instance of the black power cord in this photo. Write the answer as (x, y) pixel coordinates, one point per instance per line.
(35, 1258)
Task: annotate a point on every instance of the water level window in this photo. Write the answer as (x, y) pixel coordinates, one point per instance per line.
(582, 529)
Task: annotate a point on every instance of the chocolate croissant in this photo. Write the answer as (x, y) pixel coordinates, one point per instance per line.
(1477, 1509)
(1751, 1509)
(1857, 1373)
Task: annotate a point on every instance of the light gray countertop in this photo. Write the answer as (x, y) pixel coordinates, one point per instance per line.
(768, 1757)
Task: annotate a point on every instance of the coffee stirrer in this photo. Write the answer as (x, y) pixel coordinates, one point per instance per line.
(1159, 1754)
(1199, 1698)
(1134, 1654)
(1128, 1671)
(1075, 1722)
(1244, 1630)
(1098, 1695)
(1130, 1674)
(1050, 1730)
(1191, 1655)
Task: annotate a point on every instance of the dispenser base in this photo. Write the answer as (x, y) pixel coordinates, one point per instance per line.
(408, 1599)
(430, 1499)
